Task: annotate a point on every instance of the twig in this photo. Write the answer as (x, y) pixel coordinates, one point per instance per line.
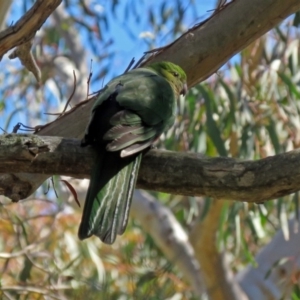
(140, 61)
(19, 125)
(89, 80)
(53, 185)
(8, 296)
(130, 65)
(48, 187)
(19, 253)
(68, 101)
(70, 98)
(34, 289)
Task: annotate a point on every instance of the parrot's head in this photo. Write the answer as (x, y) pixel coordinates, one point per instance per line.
(173, 74)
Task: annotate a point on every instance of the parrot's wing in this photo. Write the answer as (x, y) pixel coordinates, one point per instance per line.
(147, 107)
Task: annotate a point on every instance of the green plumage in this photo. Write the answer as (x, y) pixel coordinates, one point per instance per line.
(130, 113)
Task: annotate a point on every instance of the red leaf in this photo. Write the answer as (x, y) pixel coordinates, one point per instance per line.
(72, 190)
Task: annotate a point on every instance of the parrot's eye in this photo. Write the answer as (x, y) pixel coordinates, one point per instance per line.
(176, 74)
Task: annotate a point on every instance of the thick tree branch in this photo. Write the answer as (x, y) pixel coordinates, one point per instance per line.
(166, 171)
(207, 46)
(26, 27)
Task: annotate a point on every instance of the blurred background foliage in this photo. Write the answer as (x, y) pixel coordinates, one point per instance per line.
(249, 109)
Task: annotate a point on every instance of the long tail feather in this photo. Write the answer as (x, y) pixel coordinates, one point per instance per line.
(109, 196)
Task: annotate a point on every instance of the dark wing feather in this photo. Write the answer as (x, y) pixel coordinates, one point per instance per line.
(120, 130)
(124, 140)
(125, 117)
(137, 147)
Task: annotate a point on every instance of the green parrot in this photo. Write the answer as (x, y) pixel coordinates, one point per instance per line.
(130, 114)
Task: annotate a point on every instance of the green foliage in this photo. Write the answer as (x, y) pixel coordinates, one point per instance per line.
(248, 110)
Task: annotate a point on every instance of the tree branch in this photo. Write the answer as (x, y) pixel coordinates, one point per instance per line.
(277, 269)
(203, 49)
(168, 234)
(26, 27)
(172, 172)
(218, 278)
